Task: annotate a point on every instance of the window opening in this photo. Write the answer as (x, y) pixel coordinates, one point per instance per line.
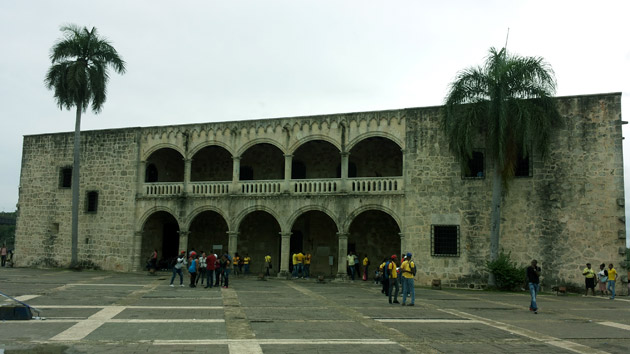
(474, 167)
(65, 177)
(92, 202)
(445, 240)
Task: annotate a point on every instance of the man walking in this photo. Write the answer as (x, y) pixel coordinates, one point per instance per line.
(533, 278)
(351, 257)
(408, 271)
(177, 269)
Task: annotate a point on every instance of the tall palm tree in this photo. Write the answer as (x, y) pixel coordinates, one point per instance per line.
(509, 104)
(78, 76)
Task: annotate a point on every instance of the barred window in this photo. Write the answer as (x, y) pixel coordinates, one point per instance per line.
(474, 168)
(445, 240)
(523, 165)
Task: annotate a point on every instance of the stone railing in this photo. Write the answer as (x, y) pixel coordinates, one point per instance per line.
(367, 185)
(376, 185)
(209, 188)
(261, 187)
(315, 186)
(164, 188)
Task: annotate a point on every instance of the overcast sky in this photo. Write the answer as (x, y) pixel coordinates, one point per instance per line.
(208, 61)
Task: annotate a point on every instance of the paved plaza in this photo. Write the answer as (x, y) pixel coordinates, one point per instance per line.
(101, 312)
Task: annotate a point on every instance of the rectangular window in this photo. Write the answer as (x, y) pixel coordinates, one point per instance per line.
(92, 202)
(445, 240)
(65, 177)
(523, 165)
(474, 166)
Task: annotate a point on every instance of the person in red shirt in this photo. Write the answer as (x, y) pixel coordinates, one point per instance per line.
(211, 266)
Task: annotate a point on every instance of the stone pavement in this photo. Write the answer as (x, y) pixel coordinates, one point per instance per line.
(102, 312)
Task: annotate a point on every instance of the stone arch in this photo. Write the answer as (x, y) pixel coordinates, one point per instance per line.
(193, 214)
(200, 146)
(143, 219)
(160, 146)
(160, 231)
(257, 141)
(356, 212)
(168, 165)
(293, 217)
(373, 134)
(208, 228)
(235, 224)
(299, 143)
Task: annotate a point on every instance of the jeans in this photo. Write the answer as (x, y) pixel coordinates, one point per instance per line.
(611, 288)
(209, 277)
(408, 288)
(4, 260)
(181, 276)
(307, 270)
(246, 268)
(534, 288)
(393, 282)
(201, 276)
(193, 276)
(351, 272)
(226, 275)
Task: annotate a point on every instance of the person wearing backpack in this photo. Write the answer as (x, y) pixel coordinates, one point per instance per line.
(408, 271)
(180, 262)
(383, 272)
(392, 274)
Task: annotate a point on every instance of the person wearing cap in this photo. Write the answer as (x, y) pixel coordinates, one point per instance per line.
(392, 273)
(177, 269)
(408, 271)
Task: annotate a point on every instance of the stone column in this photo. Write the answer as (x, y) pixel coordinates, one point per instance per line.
(285, 253)
(288, 164)
(142, 170)
(232, 242)
(136, 256)
(236, 171)
(345, 157)
(403, 244)
(342, 271)
(183, 241)
(187, 167)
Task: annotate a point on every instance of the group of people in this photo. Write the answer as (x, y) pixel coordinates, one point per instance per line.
(301, 265)
(392, 274)
(354, 266)
(606, 279)
(213, 269)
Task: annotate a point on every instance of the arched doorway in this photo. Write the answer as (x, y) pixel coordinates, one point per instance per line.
(208, 232)
(315, 232)
(259, 235)
(376, 234)
(160, 232)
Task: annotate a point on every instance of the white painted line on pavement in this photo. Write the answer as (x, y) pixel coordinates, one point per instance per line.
(556, 342)
(26, 297)
(608, 299)
(274, 341)
(170, 320)
(88, 284)
(410, 320)
(245, 347)
(616, 325)
(130, 307)
(85, 327)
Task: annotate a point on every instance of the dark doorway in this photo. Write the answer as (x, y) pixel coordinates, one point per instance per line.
(170, 240)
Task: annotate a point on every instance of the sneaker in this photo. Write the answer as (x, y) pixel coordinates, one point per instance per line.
(535, 312)
(182, 285)
(172, 286)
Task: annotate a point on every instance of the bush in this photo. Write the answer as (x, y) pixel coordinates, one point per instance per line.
(508, 275)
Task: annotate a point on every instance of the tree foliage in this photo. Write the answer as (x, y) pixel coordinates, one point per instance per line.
(508, 275)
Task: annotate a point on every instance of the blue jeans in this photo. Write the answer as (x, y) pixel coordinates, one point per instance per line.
(209, 277)
(307, 270)
(611, 288)
(393, 283)
(351, 271)
(246, 266)
(181, 277)
(534, 288)
(408, 288)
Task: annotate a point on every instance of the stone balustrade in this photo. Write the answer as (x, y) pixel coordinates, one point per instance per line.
(315, 186)
(376, 185)
(209, 188)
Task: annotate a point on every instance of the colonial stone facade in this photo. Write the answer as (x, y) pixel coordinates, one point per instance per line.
(377, 183)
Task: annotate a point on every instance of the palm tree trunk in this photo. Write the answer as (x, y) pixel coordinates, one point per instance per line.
(75, 188)
(495, 220)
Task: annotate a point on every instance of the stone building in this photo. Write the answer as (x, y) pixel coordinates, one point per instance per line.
(376, 183)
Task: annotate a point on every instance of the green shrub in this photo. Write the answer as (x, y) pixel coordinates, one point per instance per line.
(508, 275)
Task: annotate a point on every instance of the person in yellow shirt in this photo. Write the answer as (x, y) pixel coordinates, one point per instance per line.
(589, 275)
(247, 260)
(383, 274)
(294, 263)
(237, 264)
(408, 271)
(307, 265)
(366, 266)
(612, 279)
(299, 258)
(268, 263)
(392, 274)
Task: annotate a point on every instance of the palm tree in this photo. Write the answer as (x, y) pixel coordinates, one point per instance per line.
(509, 104)
(78, 76)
